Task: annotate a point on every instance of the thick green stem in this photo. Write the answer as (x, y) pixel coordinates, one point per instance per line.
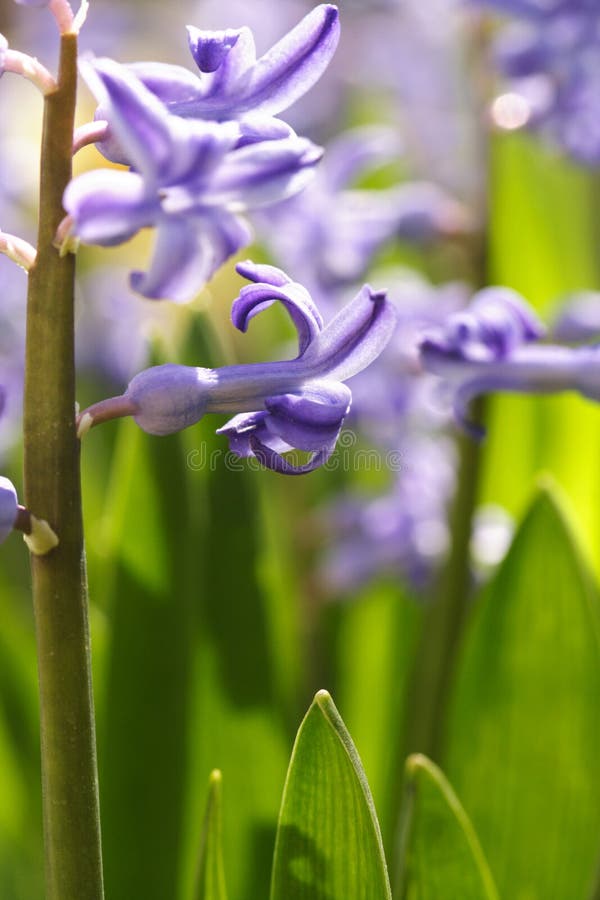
(52, 492)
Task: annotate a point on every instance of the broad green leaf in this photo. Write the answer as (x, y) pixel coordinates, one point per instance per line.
(441, 856)
(328, 840)
(211, 876)
(524, 727)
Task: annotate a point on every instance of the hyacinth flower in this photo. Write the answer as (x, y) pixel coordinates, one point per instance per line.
(549, 54)
(493, 347)
(188, 181)
(292, 404)
(232, 84)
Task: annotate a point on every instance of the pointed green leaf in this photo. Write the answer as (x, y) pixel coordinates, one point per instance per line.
(211, 876)
(328, 840)
(525, 722)
(441, 856)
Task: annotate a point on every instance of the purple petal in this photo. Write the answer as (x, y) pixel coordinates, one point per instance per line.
(311, 420)
(273, 460)
(164, 148)
(355, 337)
(137, 120)
(254, 299)
(230, 55)
(181, 263)
(209, 48)
(265, 172)
(171, 84)
(293, 65)
(260, 273)
(239, 430)
(8, 507)
(109, 206)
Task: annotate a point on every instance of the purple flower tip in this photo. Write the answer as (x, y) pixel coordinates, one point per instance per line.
(8, 507)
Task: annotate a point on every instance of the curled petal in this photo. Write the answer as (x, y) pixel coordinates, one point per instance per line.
(291, 67)
(8, 507)
(108, 206)
(210, 48)
(273, 460)
(354, 338)
(261, 273)
(310, 420)
(255, 298)
(239, 429)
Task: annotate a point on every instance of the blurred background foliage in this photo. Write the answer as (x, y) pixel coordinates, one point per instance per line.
(212, 626)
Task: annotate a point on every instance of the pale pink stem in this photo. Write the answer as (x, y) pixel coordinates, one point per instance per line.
(20, 251)
(29, 67)
(89, 134)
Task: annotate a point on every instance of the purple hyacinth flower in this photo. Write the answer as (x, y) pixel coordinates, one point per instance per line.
(233, 84)
(9, 506)
(279, 406)
(188, 180)
(492, 347)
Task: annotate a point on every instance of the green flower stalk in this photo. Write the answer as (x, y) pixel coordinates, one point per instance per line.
(52, 489)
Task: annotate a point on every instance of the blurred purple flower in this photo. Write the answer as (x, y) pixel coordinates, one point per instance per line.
(293, 404)
(491, 347)
(550, 55)
(578, 318)
(402, 533)
(332, 231)
(187, 180)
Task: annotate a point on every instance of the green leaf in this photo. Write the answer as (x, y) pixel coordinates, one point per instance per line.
(144, 701)
(211, 877)
(441, 855)
(524, 727)
(328, 840)
(374, 653)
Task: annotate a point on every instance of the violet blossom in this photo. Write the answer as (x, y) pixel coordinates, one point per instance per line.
(493, 346)
(188, 180)
(279, 406)
(232, 84)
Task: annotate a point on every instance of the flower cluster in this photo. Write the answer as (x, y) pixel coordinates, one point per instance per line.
(201, 150)
(549, 53)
